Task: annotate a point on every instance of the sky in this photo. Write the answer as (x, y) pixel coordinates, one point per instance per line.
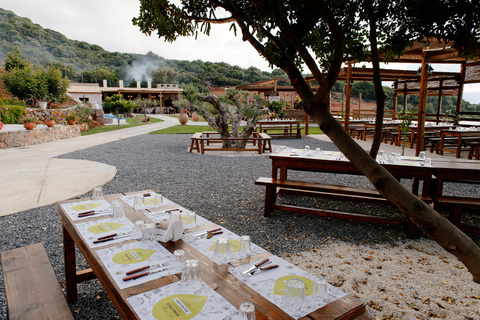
(108, 23)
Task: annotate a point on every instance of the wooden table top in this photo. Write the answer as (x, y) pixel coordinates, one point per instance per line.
(216, 276)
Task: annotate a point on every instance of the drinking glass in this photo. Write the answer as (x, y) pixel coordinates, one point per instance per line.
(319, 290)
(380, 154)
(245, 246)
(139, 202)
(318, 152)
(247, 311)
(175, 216)
(222, 250)
(118, 210)
(158, 200)
(190, 219)
(97, 193)
(421, 155)
(191, 275)
(294, 298)
(306, 151)
(149, 232)
(138, 230)
(178, 260)
(428, 161)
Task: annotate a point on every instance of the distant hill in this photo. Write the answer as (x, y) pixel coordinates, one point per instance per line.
(43, 46)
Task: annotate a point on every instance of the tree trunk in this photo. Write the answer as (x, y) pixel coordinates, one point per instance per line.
(428, 220)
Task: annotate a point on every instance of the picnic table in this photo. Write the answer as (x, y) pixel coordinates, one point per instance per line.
(280, 128)
(462, 135)
(223, 288)
(433, 189)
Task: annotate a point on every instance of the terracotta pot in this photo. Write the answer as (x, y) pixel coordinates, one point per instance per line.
(50, 123)
(29, 125)
(71, 122)
(183, 118)
(195, 116)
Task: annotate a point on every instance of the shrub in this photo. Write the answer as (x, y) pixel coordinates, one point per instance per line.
(11, 113)
(83, 112)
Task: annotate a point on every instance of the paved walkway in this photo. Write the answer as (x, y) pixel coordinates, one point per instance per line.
(31, 177)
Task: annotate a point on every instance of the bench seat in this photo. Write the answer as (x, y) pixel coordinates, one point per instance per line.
(455, 205)
(329, 191)
(31, 286)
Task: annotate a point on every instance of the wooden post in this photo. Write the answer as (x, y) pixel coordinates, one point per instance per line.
(460, 89)
(422, 107)
(405, 87)
(439, 103)
(347, 98)
(359, 102)
(395, 100)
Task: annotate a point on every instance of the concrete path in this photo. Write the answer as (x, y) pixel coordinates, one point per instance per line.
(31, 177)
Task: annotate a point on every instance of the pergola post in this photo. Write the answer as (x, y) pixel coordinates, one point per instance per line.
(439, 104)
(422, 107)
(405, 97)
(460, 89)
(347, 98)
(395, 98)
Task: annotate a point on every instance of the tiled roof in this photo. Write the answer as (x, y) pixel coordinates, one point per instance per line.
(84, 88)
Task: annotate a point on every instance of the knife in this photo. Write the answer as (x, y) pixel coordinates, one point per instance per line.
(111, 238)
(143, 268)
(136, 276)
(209, 231)
(113, 235)
(259, 270)
(255, 266)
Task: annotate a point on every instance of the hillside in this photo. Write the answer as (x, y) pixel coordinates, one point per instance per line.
(77, 58)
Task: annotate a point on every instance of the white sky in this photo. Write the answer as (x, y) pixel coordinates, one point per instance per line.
(108, 23)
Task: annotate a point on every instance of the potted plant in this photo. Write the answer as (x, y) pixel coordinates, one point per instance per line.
(29, 121)
(1, 124)
(406, 118)
(71, 118)
(52, 119)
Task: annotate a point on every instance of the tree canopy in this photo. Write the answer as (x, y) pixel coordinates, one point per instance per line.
(319, 36)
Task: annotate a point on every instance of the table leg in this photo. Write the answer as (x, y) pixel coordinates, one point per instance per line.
(70, 266)
(442, 139)
(459, 146)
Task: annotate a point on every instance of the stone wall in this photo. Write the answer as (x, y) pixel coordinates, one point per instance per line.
(25, 137)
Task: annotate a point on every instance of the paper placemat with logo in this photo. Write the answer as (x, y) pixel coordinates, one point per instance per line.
(150, 202)
(164, 216)
(131, 256)
(272, 283)
(99, 208)
(177, 302)
(207, 246)
(92, 230)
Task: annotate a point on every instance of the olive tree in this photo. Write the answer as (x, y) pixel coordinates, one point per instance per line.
(319, 36)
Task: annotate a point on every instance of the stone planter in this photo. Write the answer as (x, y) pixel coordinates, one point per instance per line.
(29, 125)
(84, 127)
(50, 123)
(183, 118)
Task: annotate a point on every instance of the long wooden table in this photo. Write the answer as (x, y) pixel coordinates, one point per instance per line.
(460, 134)
(282, 128)
(214, 275)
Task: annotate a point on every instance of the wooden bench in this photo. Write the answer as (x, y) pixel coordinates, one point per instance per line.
(329, 191)
(474, 150)
(455, 206)
(31, 286)
(201, 140)
(286, 131)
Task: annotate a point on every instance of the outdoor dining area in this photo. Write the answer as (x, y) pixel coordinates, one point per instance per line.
(155, 257)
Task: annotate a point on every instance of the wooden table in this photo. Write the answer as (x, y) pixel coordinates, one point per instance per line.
(282, 164)
(287, 128)
(460, 134)
(431, 128)
(216, 276)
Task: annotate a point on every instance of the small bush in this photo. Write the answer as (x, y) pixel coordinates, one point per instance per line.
(11, 113)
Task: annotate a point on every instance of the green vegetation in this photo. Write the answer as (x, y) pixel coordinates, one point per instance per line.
(81, 61)
(118, 106)
(132, 122)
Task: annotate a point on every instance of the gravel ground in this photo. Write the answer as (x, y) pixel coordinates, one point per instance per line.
(220, 188)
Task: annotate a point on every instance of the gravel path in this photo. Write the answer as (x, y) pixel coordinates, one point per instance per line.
(220, 188)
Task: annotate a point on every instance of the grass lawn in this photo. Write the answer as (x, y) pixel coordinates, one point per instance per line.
(132, 122)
